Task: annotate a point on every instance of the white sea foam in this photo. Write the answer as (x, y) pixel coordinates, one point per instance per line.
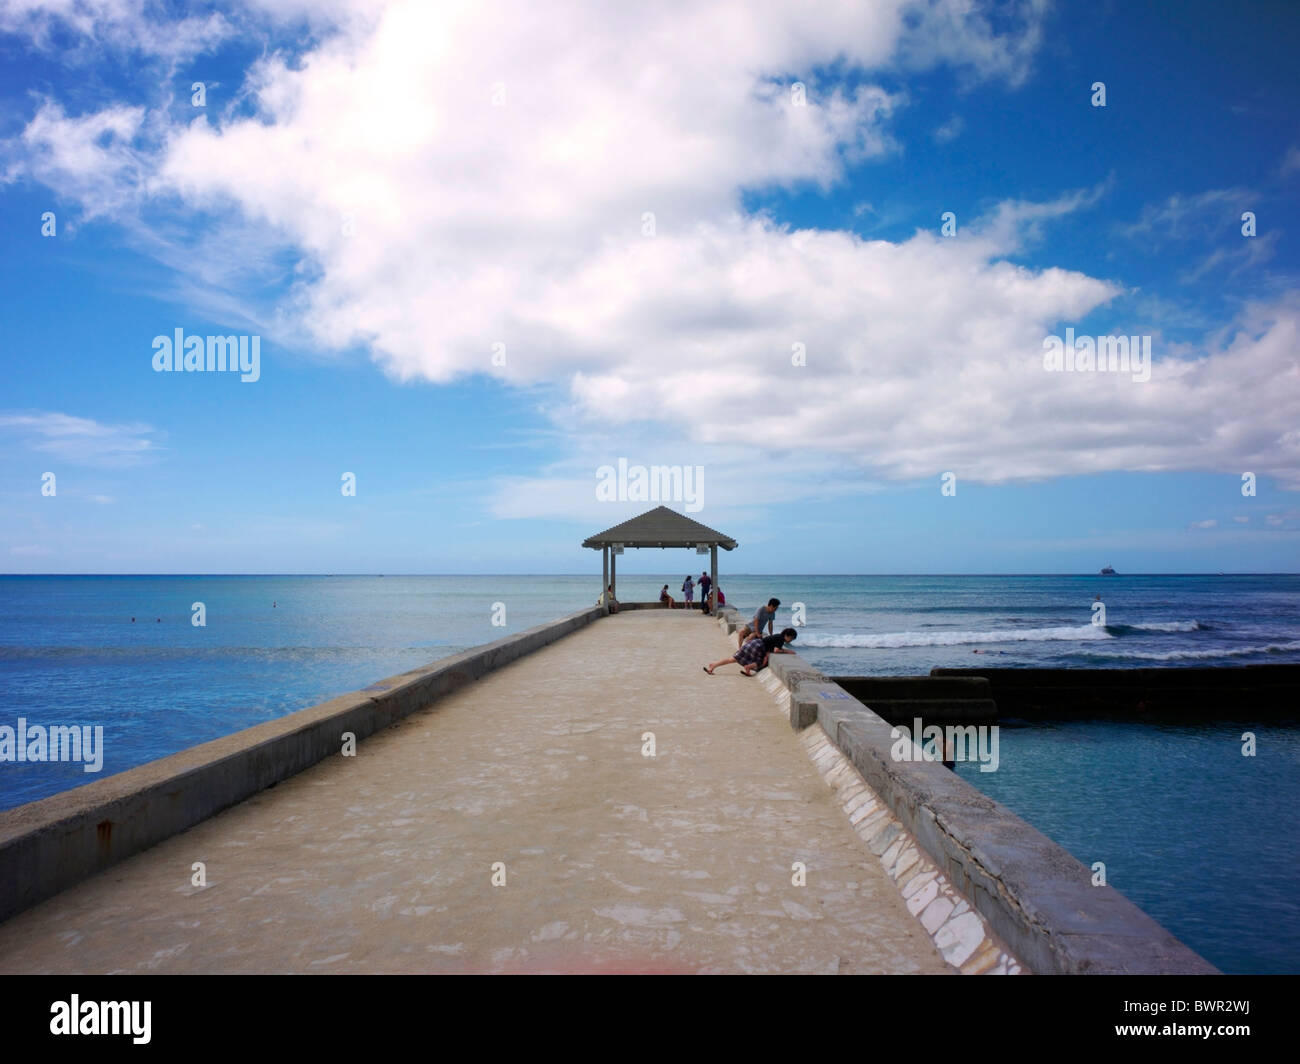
(1205, 655)
(1168, 626)
(882, 640)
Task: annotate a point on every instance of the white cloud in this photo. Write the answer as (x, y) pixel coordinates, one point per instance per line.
(959, 32)
(88, 160)
(78, 31)
(950, 130)
(1211, 523)
(1197, 217)
(1012, 224)
(524, 223)
(1243, 253)
(1205, 219)
(82, 441)
(723, 480)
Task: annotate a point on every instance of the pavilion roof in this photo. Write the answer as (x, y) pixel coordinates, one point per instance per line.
(660, 527)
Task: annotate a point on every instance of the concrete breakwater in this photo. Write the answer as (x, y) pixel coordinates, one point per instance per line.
(1249, 692)
(939, 700)
(1035, 895)
(948, 695)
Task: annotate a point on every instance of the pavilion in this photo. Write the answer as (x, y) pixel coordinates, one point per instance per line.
(660, 527)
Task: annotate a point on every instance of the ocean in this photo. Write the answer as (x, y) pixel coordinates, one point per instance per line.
(1197, 835)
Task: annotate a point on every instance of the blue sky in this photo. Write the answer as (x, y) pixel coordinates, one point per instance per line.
(648, 213)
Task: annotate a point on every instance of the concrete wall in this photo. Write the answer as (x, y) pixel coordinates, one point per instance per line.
(47, 846)
(1235, 692)
(1035, 895)
(730, 620)
(936, 700)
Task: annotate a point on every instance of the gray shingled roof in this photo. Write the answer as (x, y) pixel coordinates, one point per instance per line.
(660, 527)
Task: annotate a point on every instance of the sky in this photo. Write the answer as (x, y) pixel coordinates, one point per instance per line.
(821, 263)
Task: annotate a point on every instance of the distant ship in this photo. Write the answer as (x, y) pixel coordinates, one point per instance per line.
(1108, 571)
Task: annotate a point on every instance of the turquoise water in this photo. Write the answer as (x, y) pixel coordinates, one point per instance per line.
(1200, 837)
(1194, 833)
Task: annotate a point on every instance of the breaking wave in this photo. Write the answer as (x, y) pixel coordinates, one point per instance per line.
(1088, 632)
(1159, 626)
(1202, 655)
(882, 640)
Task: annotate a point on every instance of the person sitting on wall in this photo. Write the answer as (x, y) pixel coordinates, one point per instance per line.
(666, 598)
(765, 615)
(608, 597)
(754, 655)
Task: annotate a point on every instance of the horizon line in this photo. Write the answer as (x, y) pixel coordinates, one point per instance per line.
(585, 575)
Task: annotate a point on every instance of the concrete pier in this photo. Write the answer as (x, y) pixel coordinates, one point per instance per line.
(517, 824)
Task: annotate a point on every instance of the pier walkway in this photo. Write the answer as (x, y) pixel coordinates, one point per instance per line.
(613, 860)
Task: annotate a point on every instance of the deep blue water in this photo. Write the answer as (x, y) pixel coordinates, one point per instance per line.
(910, 624)
(1202, 838)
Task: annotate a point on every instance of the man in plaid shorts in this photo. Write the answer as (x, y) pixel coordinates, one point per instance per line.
(754, 654)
